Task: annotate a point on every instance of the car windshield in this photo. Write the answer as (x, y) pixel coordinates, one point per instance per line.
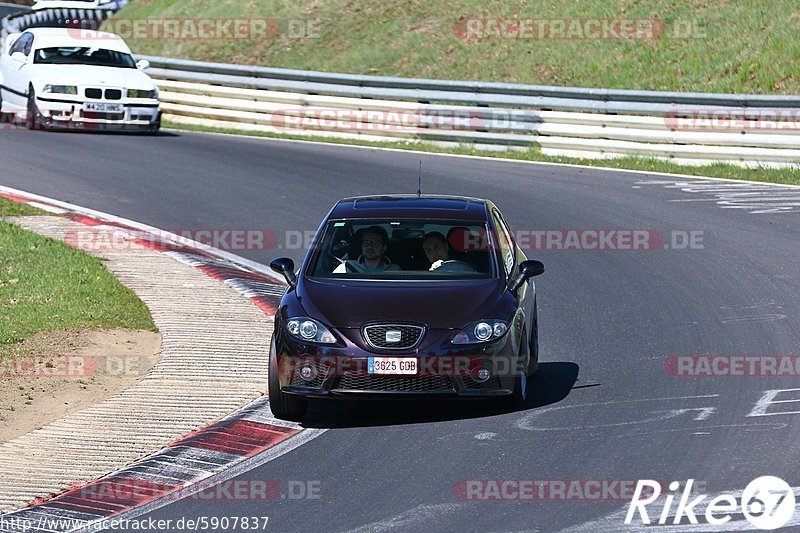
(403, 250)
(84, 56)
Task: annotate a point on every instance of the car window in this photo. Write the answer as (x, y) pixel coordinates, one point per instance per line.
(403, 250)
(84, 56)
(20, 45)
(28, 45)
(505, 242)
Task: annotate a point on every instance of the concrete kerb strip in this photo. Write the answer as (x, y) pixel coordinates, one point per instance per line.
(190, 288)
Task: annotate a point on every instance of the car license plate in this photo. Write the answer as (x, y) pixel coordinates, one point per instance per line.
(406, 366)
(103, 108)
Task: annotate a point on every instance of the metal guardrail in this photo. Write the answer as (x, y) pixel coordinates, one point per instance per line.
(58, 18)
(568, 121)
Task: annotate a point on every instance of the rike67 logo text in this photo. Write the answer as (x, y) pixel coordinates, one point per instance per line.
(767, 503)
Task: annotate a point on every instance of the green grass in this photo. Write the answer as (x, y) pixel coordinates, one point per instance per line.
(46, 285)
(717, 170)
(740, 46)
(17, 209)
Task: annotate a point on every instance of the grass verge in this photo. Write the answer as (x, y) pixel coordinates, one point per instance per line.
(727, 46)
(786, 176)
(46, 285)
(10, 208)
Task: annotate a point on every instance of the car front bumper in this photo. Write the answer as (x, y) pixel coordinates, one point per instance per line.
(440, 376)
(70, 115)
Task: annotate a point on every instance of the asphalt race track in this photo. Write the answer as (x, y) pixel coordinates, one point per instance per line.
(603, 407)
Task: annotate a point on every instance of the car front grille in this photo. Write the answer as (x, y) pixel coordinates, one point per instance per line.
(366, 382)
(97, 94)
(376, 336)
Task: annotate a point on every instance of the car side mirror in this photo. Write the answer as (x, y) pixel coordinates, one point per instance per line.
(142, 64)
(19, 56)
(285, 267)
(527, 269)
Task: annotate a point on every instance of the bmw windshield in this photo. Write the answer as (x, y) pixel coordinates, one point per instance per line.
(84, 56)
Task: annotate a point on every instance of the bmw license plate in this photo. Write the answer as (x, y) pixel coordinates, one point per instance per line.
(406, 366)
(103, 108)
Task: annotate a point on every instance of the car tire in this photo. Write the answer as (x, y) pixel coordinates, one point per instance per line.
(33, 119)
(519, 392)
(533, 362)
(283, 406)
(156, 127)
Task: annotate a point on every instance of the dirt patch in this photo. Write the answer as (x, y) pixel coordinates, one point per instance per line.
(58, 372)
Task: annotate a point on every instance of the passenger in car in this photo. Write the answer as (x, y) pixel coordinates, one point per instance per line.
(437, 250)
(372, 259)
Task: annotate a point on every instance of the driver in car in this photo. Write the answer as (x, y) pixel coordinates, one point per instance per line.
(372, 258)
(437, 250)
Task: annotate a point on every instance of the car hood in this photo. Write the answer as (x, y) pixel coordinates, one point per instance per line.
(91, 75)
(438, 305)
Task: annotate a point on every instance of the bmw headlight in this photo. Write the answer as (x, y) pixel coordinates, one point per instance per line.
(309, 330)
(481, 331)
(60, 89)
(140, 93)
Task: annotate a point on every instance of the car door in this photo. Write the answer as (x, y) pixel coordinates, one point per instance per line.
(512, 256)
(15, 65)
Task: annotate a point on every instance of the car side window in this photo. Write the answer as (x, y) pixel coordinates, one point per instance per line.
(22, 44)
(28, 46)
(506, 243)
(17, 46)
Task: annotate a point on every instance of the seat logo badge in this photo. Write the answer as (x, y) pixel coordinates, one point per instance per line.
(393, 336)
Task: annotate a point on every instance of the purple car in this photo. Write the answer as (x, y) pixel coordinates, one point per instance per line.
(406, 297)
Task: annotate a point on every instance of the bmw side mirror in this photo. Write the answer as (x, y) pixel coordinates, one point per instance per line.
(285, 267)
(527, 269)
(142, 64)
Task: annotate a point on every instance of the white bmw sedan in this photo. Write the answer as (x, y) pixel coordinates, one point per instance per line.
(64, 78)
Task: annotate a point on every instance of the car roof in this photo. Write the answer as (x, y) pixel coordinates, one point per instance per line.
(411, 206)
(55, 37)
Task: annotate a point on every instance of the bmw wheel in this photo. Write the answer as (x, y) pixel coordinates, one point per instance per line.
(33, 119)
(284, 406)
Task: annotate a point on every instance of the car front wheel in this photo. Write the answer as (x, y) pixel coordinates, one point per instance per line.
(284, 406)
(520, 387)
(33, 119)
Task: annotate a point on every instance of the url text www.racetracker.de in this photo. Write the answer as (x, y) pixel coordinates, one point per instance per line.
(200, 523)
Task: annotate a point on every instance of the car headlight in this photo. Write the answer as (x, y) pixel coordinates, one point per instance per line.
(309, 330)
(60, 89)
(141, 93)
(481, 331)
